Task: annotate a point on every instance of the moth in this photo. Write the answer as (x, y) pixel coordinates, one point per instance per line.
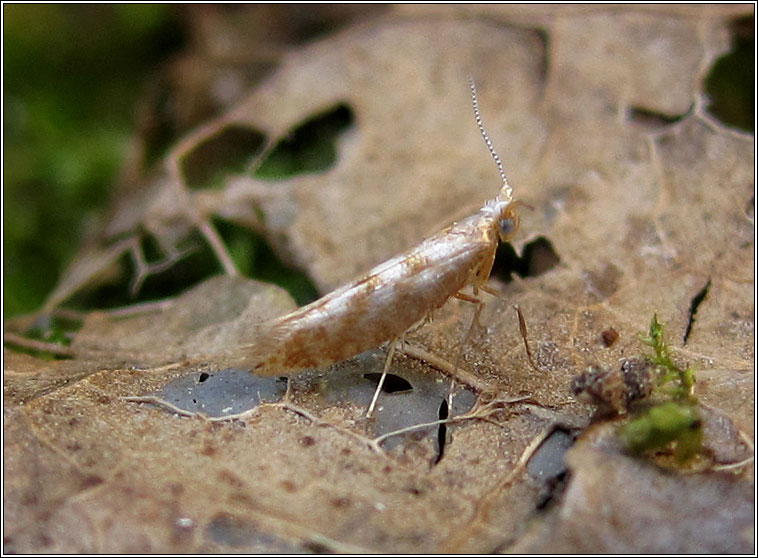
(392, 297)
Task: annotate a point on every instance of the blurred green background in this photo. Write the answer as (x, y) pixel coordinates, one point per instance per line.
(73, 77)
(73, 74)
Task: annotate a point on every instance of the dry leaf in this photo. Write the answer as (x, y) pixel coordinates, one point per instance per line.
(643, 197)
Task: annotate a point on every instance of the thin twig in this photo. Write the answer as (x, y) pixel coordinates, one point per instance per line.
(145, 269)
(217, 245)
(733, 466)
(419, 353)
(420, 426)
(160, 402)
(139, 308)
(37, 345)
(477, 413)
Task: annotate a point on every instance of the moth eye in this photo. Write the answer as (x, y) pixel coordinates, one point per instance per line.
(507, 227)
(508, 222)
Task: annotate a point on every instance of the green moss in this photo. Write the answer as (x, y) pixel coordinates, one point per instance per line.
(671, 423)
(674, 424)
(678, 382)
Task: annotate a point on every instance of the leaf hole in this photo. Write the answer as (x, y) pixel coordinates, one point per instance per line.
(57, 328)
(392, 383)
(547, 466)
(172, 269)
(694, 305)
(551, 491)
(309, 147)
(228, 151)
(316, 547)
(231, 531)
(442, 414)
(653, 120)
(538, 257)
(544, 64)
(255, 258)
(730, 84)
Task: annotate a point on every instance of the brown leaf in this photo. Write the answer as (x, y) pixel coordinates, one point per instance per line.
(617, 505)
(640, 194)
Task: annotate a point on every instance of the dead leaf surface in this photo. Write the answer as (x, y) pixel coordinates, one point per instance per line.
(615, 505)
(642, 212)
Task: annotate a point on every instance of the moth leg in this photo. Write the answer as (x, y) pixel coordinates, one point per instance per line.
(524, 336)
(468, 298)
(491, 291)
(474, 321)
(387, 362)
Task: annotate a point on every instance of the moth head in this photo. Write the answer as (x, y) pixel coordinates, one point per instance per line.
(508, 221)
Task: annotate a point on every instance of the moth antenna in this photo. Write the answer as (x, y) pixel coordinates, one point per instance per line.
(506, 192)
